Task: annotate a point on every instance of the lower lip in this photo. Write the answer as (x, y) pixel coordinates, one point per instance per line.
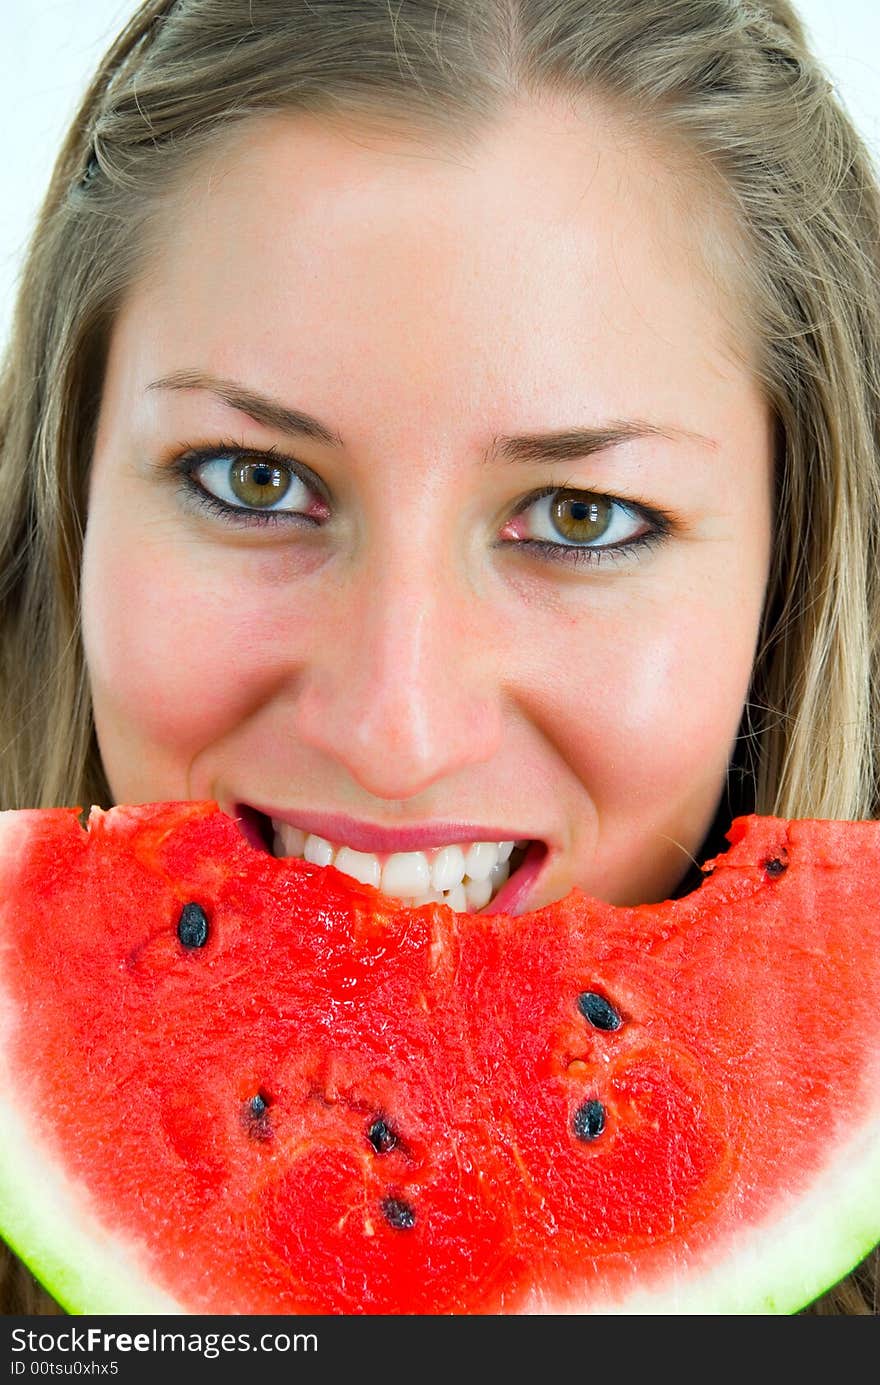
(512, 897)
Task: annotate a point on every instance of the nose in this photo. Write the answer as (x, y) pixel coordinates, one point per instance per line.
(404, 691)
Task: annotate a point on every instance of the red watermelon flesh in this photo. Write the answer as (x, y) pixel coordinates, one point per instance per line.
(303, 1097)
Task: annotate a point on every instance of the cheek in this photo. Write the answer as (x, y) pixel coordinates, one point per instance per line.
(647, 702)
(176, 656)
(643, 712)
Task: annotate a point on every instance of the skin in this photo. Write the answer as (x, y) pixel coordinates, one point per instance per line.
(408, 659)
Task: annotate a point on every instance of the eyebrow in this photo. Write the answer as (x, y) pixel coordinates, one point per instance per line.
(259, 407)
(561, 445)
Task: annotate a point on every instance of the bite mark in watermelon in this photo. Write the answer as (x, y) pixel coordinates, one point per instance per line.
(236, 1084)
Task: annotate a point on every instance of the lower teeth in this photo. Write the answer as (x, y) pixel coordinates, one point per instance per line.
(472, 895)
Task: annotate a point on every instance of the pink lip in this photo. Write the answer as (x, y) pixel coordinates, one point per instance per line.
(365, 836)
(512, 898)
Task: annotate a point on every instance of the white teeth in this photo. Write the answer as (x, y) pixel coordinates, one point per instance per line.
(289, 841)
(457, 899)
(318, 850)
(465, 877)
(406, 873)
(363, 865)
(447, 868)
(499, 875)
(480, 860)
(478, 893)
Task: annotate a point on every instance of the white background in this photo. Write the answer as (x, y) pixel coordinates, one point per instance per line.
(48, 49)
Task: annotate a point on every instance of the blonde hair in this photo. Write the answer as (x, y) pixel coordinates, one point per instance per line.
(731, 80)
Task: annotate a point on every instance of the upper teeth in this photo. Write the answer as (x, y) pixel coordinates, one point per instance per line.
(463, 876)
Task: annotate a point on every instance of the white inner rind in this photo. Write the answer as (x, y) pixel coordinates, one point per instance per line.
(51, 1224)
(776, 1267)
(46, 1219)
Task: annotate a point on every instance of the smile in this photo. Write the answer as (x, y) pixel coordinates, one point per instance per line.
(467, 875)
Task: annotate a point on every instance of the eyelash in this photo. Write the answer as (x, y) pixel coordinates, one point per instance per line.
(662, 525)
(189, 459)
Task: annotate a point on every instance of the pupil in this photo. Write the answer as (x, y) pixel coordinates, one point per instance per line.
(259, 483)
(577, 517)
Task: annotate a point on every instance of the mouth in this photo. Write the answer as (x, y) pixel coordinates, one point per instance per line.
(468, 874)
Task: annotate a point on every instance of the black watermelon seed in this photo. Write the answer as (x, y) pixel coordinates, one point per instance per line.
(775, 867)
(255, 1117)
(381, 1136)
(589, 1120)
(192, 926)
(599, 1011)
(398, 1213)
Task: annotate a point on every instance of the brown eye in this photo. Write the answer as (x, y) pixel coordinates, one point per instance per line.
(579, 516)
(583, 525)
(258, 483)
(255, 484)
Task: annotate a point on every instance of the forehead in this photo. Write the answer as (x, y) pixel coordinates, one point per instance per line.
(559, 248)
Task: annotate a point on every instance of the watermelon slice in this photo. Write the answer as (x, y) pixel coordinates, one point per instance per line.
(235, 1084)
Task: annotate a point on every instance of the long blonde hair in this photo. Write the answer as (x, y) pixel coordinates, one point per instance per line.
(732, 80)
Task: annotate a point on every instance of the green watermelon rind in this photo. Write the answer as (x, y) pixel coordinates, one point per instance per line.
(785, 1264)
(46, 1220)
(777, 1268)
(49, 1224)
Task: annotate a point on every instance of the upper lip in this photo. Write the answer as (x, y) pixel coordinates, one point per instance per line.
(367, 836)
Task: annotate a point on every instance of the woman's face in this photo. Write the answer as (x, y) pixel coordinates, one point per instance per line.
(431, 505)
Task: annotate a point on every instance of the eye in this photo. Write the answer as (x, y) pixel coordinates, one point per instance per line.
(253, 483)
(582, 520)
(247, 487)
